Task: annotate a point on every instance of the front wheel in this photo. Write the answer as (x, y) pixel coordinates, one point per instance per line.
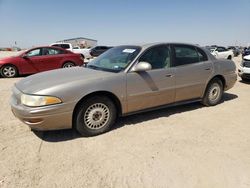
(95, 116)
(213, 93)
(9, 71)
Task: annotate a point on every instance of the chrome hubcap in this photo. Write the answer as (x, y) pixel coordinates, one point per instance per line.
(214, 92)
(9, 71)
(96, 116)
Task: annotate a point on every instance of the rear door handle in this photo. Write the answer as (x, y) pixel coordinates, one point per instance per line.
(168, 75)
(208, 69)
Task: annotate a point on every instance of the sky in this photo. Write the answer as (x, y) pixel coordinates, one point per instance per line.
(115, 22)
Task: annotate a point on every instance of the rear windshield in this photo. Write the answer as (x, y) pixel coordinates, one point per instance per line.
(64, 46)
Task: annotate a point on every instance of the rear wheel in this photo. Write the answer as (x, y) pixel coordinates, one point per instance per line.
(213, 93)
(68, 65)
(9, 71)
(95, 116)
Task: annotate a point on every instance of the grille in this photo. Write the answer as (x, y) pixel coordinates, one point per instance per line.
(247, 64)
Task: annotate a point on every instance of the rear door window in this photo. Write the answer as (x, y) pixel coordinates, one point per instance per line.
(51, 51)
(184, 55)
(221, 49)
(202, 55)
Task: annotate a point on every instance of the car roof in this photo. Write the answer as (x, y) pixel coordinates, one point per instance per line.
(60, 43)
(148, 45)
(54, 47)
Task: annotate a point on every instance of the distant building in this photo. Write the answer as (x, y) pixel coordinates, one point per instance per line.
(80, 41)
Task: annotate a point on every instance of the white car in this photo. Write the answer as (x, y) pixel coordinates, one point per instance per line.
(222, 53)
(244, 69)
(76, 49)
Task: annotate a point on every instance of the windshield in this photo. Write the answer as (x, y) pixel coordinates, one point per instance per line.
(211, 49)
(115, 59)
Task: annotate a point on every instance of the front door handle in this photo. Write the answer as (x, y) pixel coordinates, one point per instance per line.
(208, 69)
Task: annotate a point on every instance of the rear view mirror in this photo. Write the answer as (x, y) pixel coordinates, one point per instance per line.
(142, 67)
(24, 56)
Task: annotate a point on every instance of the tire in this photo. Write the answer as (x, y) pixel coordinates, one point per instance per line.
(229, 57)
(68, 65)
(213, 93)
(245, 79)
(95, 116)
(9, 71)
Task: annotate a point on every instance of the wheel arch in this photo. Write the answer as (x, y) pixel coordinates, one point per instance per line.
(11, 64)
(108, 94)
(68, 61)
(223, 80)
(218, 76)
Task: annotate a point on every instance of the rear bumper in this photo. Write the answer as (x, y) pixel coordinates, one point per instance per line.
(244, 72)
(230, 81)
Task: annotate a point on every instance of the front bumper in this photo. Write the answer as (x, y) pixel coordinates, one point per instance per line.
(244, 72)
(51, 117)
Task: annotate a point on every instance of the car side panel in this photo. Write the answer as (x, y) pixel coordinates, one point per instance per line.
(22, 66)
(31, 65)
(227, 69)
(115, 84)
(191, 80)
(74, 58)
(50, 62)
(150, 89)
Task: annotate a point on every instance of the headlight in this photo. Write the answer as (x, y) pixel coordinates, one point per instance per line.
(35, 100)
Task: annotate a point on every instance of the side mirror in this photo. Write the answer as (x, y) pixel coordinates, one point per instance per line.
(142, 67)
(24, 56)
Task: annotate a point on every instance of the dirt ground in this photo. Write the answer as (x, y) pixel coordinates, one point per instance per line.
(189, 146)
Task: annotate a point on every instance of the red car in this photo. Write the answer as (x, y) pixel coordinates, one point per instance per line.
(37, 60)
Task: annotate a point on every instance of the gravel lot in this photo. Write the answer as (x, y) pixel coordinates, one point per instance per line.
(181, 147)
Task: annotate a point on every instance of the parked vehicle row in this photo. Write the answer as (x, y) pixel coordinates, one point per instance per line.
(122, 81)
(57, 55)
(76, 49)
(98, 50)
(236, 50)
(221, 52)
(85, 52)
(37, 60)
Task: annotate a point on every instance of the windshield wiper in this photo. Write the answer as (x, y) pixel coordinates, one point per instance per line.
(94, 67)
(102, 68)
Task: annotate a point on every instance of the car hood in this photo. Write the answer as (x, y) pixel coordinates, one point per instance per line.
(49, 79)
(8, 59)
